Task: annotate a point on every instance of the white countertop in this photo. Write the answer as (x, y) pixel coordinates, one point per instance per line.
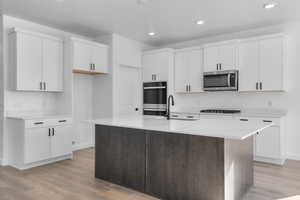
(221, 128)
(33, 117)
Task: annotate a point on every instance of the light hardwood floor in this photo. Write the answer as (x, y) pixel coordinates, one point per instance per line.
(74, 180)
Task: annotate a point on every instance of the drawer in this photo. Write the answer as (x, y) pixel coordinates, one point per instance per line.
(276, 121)
(40, 123)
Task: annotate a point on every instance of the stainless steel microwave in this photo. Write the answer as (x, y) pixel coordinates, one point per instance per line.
(221, 80)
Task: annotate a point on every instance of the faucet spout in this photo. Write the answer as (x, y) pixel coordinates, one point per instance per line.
(170, 98)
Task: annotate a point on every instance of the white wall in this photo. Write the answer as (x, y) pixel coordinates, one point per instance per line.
(1, 88)
(288, 101)
(124, 52)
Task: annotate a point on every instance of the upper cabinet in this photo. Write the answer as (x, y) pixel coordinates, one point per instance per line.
(261, 64)
(221, 56)
(89, 57)
(189, 71)
(36, 60)
(157, 65)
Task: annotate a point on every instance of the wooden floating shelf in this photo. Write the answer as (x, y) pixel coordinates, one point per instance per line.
(77, 71)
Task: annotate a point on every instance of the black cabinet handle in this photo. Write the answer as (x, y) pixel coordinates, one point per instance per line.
(260, 85)
(49, 132)
(256, 85)
(217, 67)
(44, 85)
(267, 121)
(52, 131)
(220, 66)
(38, 123)
(245, 120)
(41, 86)
(61, 121)
(186, 88)
(189, 88)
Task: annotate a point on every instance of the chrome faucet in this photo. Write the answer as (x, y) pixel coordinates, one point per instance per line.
(168, 111)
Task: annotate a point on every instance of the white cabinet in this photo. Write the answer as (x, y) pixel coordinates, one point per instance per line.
(188, 71)
(61, 142)
(269, 144)
(37, 145)
(53, 65)
(261, 64)
(271, 63)
(89, 56)
(156, 65)
(34, 142)
(36, 60)
(248, 65)
(219, 57)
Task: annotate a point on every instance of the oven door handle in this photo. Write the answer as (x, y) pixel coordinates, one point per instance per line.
(159, 87)
(154, 109)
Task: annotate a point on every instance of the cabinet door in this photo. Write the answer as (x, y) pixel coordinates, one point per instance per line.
(195, 60)
(271, 63)
(227, 56)
(121, 156)
(100, 58)
(267, 143)
(162, 66)
(61, 141)
(37, 145)
(181, 72)
(53, 65)
(29, 62)
(211, 58)
(82, 56)
(185, 167)
(149, 63)
(248, 65)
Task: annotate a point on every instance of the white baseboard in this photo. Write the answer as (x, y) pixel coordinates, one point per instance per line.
(293, 157)
(82, 146)
(269, 160)
(45, 162)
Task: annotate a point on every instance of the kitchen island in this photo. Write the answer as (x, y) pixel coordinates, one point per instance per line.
(209, 159)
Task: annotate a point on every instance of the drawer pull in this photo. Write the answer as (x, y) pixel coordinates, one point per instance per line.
(190, 117)
(38, 123)
(268, 121)
(245, 120)
(61, 121)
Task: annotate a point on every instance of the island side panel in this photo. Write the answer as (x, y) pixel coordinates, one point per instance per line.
(185, 167)
(120, 156)
(238, 168)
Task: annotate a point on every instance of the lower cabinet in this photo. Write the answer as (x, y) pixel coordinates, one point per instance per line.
(120, 156)
(179, 165)
(167, 166)
(37, 142)
(37, 145)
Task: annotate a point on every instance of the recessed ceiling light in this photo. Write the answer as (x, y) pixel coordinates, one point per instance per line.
(200, 22)
(151, 33)
(270, 5)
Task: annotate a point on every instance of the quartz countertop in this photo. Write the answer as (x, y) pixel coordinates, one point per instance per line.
(39, 116)
(221, 127)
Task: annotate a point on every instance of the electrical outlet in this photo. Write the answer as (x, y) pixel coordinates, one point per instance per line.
(270, 103)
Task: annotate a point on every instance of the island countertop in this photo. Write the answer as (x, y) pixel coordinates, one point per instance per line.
(220, 128)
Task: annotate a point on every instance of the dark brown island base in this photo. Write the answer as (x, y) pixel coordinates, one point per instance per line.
(174, 166)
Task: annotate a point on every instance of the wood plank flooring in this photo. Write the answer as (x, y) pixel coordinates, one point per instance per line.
(74, 180)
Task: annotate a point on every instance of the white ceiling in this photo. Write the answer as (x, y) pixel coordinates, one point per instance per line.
(172, 20)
